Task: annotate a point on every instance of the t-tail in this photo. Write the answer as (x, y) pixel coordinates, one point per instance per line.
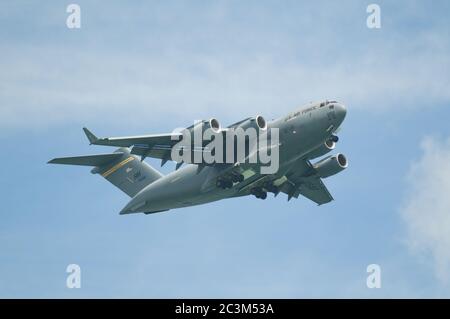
(126, 171)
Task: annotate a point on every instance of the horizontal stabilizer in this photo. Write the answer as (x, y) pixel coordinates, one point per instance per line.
(121, 168)
(89, 160)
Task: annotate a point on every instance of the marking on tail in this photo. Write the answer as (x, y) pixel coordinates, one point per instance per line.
(117, 166)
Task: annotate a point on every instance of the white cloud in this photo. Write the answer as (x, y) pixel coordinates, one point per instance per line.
(130, 87)
(427, 207)
(214, 63)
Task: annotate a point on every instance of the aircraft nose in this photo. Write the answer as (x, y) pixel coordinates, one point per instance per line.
(341, 111)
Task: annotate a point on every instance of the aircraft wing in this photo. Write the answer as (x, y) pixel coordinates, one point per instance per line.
(311, 187)
(234, 125)
(127, 141)
(302, 180)
(154, 145)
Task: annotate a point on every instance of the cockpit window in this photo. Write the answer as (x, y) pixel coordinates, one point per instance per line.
(331, 106)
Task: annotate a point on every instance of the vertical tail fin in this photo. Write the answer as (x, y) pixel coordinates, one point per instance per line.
(120, 168)
(91, 137)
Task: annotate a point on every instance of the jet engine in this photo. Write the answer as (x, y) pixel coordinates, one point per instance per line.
(202, 126)
(322, 149)
(261, 122)
(331, 165)
(214, 125)
(258, 122)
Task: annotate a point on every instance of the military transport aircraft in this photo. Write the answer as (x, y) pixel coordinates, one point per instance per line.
(303, 135)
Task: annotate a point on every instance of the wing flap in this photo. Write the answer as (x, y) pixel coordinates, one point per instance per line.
(303, 180)
(166, 140)
(127, 141)
(314, 189)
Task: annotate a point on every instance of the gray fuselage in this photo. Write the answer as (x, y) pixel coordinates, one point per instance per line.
(300, 132)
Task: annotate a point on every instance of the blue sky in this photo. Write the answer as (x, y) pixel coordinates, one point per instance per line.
(151, 67)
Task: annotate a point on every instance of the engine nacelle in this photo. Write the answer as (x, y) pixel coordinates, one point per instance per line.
(331, 165)
(258, 122)
(214, 125)
(322, 149)
(201, 127)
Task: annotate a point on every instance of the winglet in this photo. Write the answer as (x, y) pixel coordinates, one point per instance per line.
(91, 137)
